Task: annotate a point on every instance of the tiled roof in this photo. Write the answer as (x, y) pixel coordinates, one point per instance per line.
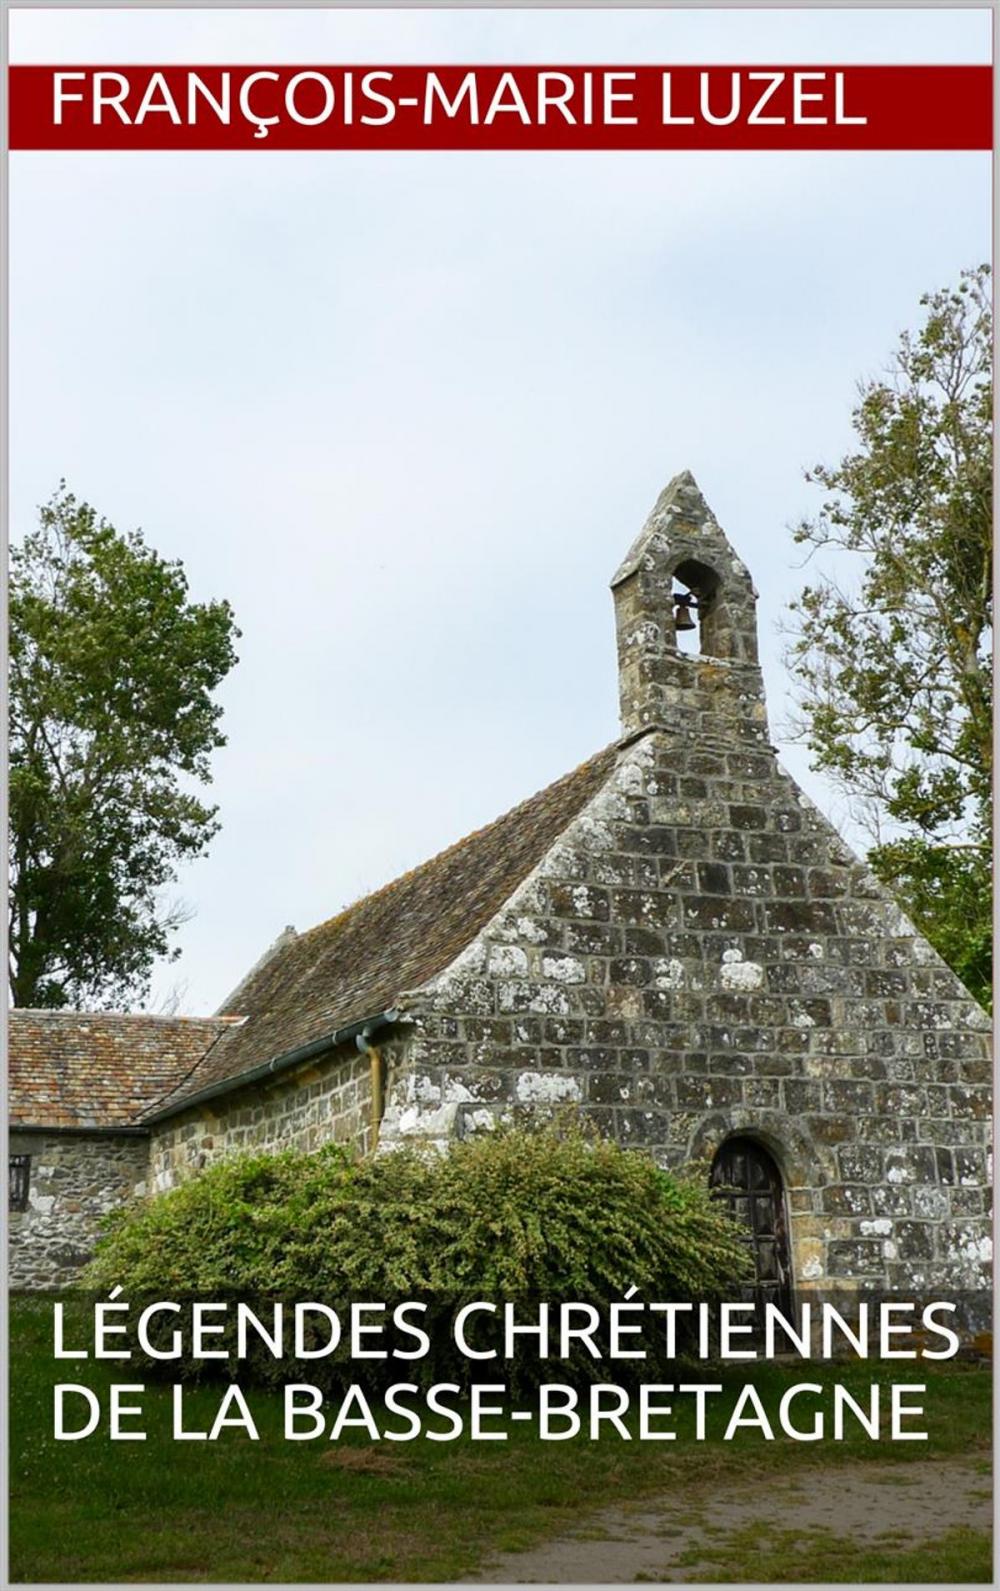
(103, 1069)
(356, 964)
(99, 1069)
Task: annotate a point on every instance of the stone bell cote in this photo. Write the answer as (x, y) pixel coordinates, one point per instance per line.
(717, 693)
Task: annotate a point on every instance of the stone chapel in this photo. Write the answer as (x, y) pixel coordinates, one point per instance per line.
(671, 938)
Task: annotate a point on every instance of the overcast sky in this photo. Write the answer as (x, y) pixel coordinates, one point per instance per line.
(407, 411)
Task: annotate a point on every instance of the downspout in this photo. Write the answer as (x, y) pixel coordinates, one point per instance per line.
(374, 1054)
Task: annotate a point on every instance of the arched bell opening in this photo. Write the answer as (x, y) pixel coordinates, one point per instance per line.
(695, 595)
(746, 1179)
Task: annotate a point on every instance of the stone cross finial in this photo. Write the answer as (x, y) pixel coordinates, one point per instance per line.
(718, 693)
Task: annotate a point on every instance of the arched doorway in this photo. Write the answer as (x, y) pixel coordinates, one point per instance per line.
(747, 1179)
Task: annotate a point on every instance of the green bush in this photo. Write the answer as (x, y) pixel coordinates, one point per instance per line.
(549, 1214)
(220, 1235)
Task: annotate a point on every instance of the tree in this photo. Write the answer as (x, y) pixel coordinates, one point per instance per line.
(893, 658)
(112, 723)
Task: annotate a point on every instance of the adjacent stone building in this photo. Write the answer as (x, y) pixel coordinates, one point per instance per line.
(672, 939)
(78, 1086)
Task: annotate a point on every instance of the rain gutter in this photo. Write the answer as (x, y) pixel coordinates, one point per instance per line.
(366, 1028)
(78, 1131)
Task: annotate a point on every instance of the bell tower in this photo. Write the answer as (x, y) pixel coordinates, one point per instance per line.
(714, 695)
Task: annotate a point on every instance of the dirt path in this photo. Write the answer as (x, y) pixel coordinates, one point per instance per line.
(896, 1506)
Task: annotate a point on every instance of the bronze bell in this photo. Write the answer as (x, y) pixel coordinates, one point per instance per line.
(682, 612)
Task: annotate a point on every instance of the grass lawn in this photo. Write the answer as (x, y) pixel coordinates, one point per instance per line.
(354, 1510)
(959, 1558)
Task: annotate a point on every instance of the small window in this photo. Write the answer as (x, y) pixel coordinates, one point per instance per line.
(20, 1171)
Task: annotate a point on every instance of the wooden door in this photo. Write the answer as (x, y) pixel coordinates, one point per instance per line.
(746, 1177)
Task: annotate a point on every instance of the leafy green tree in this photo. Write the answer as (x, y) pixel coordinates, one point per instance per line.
(892, 641)
(112, 723)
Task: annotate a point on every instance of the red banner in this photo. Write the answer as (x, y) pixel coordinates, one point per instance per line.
(497, 107)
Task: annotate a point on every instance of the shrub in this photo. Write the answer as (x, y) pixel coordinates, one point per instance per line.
(547, 1214)
(220, 1235)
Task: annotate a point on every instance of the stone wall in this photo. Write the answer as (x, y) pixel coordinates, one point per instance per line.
(74, 1179)
(328, 1100)
(701, 955)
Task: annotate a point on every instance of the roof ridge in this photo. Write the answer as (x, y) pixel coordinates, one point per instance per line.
(354, 964)
(116, 1016)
